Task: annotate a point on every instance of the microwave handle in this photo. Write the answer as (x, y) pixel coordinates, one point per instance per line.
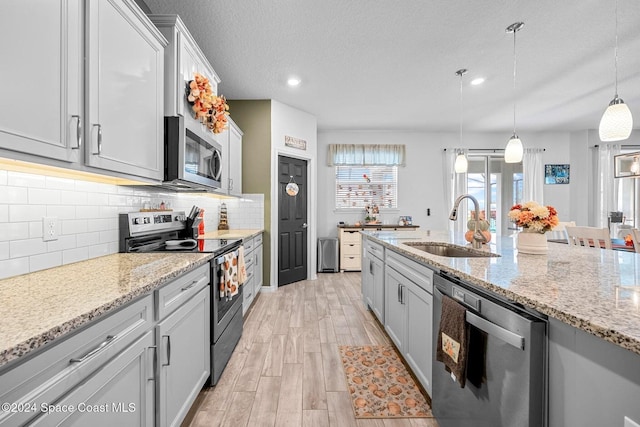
(217, 175)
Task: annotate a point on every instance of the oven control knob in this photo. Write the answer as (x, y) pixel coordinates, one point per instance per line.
(136, 220)
(181, 217)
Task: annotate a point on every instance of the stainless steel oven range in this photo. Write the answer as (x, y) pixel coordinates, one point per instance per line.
(142, 232)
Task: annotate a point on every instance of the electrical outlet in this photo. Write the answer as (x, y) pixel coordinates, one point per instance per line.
(628, 422)
(49, 228)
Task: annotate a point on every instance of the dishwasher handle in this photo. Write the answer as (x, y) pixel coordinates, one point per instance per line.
(497, 331)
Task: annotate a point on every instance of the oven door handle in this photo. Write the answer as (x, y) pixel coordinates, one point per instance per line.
(497, 331)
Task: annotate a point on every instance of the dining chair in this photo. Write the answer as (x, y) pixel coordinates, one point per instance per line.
(589, 236)
(559, 232)
(635, 235)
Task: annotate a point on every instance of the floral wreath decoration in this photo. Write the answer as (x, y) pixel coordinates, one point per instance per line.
(210, 109)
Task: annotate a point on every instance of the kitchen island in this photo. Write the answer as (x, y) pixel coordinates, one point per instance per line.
(592, 300)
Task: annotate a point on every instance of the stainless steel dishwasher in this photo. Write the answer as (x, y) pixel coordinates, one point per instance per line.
(511, 356)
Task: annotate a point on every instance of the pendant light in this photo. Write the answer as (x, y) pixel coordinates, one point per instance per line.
(616, 123)
(513, 152)
(461, 163)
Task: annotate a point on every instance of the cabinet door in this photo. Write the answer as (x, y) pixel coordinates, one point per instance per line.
(417, 351)
(258, 268)
(120, 393)
(394, 320)
(377, 288)
(41, 84)
(235, 160)
(183, 340)
(125, 92)
(367, 282)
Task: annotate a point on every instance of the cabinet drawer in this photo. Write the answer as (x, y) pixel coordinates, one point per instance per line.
(350, 236)
(417, 273)
(257, 241)
(375, 249)
(248, 246)
(45, 377)
(350, 248)
(350, 262)
(173, 295)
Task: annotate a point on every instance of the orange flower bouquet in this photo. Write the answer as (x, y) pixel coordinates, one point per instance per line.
(210, 109)
(533, 217)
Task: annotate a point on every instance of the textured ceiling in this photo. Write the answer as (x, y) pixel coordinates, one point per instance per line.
(369, 64)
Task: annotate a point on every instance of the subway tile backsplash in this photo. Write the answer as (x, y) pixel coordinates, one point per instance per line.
(87, 215)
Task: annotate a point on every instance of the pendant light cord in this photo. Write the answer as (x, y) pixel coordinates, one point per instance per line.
(514, 81)
(616, 50)
(461, 74)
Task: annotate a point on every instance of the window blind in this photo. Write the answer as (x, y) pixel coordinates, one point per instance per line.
(355, 191)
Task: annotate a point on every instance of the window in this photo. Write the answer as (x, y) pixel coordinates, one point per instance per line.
(359, 186)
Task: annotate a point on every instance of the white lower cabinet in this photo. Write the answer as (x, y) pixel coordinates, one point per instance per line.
(123, 369)
(183, 340)
(119, 393)
(253, 263)
(408, 313)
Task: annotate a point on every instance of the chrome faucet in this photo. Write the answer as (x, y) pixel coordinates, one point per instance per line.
(478, 237)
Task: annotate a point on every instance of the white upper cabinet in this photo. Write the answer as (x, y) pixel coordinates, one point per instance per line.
(82, 86)
(41, 77)
(182, 59)
(124, 96)
(234, 155)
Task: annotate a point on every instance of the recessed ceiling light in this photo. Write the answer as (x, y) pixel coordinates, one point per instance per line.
(477, 81)
(293, 81)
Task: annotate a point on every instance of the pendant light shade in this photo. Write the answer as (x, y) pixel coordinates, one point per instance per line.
(462, 164)
(514, 151)
(616, 122)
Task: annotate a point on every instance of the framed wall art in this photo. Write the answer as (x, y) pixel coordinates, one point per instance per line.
(556, 174)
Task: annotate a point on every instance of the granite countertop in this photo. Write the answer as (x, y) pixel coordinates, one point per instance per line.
(592, 289)
(230, 234)
(42, 306)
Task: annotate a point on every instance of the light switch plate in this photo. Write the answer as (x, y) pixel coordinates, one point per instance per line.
(628, 422)
(49, 228)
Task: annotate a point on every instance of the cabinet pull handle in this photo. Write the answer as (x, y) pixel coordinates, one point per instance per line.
(370, 267)
(154, 362)
(230, 183)
(78, 132)
(402, 294)
(100, 346)
(399, 300)
(191, 285)
(168, 337)
(99, 139)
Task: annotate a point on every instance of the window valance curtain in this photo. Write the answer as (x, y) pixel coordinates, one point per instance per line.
(366, 154)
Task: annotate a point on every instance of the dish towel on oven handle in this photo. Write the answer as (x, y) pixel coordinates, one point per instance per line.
(229, 284)
(242, 270)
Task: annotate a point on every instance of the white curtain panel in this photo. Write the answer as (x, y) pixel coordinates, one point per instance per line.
(455, 184)
(533, 175)
(606, 188)
(366, 154)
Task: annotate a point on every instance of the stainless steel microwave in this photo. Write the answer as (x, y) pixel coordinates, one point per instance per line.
(192, 163)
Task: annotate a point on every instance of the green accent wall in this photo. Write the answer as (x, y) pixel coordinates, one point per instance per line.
(254, 119)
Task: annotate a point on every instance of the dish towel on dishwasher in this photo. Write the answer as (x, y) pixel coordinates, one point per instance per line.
(452, 339)
(242, 270)
(229, 284)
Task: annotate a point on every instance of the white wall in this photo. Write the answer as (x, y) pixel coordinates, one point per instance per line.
(420, 183)
(289, 121)
(87, 215)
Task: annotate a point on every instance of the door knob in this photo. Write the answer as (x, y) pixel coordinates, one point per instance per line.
(305, 225)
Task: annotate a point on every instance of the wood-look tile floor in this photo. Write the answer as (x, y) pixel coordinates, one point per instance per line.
(286, 369)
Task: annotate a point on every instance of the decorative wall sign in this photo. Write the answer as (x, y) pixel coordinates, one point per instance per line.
(556, 174)
(290, 141)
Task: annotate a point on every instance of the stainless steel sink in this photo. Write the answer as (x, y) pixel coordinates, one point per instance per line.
(451, 251)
